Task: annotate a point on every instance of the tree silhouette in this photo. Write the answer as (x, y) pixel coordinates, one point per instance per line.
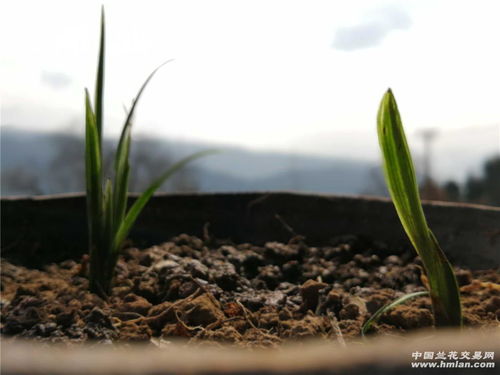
(485, 189)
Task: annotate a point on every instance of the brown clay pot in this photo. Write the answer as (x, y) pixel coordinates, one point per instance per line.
(40, 230)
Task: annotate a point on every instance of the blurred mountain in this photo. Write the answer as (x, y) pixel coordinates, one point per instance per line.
(31, 163)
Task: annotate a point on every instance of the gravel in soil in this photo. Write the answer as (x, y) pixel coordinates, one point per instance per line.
(214, 292)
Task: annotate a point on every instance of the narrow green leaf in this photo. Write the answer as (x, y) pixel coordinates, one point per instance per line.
(92, 170)
(121, 164)
(402, 185)
(122, 170)
(108, 221)
(128, 121)
(445, 293)
(99, 87)
(374, 318)
(400, 173)
(139, 204)
(107, 216)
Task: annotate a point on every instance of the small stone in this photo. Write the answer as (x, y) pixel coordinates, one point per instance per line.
(186, 289)
(291, 270)
(30, 317)
(225, 276)
(68, 264)
(463, 277)
(275, 298)
(492, 304)
(253, 303)
(310, 294)
(65, 318)
(271, 275)
(45, 329)
(135, 303)
(160, 315)
(334, 298)
(358, 302)
(134, 332)
(196, 268)
(252, 261)
(202, 311)
(281, 252)
(165, 265)
(394, 260)
(349, 311)
(375, 302)
(98, 317)
(352, 282)
(285, 314)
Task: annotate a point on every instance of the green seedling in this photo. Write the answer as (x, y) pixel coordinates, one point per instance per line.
(374, 318)
(109, 222)
(402, 185)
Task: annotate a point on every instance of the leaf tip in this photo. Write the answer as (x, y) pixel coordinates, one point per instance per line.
(87, 95)
(389, 95)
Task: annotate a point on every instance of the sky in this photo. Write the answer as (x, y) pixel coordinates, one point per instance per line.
(288, 75)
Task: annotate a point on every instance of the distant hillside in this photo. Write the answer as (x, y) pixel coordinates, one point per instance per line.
(31, 159)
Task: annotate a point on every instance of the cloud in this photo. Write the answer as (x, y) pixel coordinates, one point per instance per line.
(370, 33)
(55, 80)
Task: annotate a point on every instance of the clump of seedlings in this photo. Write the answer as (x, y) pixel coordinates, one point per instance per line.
(402, 184)
(109, 222)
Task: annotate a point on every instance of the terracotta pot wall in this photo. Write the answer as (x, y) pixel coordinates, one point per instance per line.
(45, 229)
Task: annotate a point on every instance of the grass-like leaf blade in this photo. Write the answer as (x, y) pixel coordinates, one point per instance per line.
(128, 121)
(122, 170)
(374, 318)
(92, 167)
(402, 185)
(121, 164)
(107, 213)
(143, 199)
(108, 221)
(99, 87)
(94, 192)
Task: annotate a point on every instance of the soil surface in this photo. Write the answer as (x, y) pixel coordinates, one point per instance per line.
(208, 291)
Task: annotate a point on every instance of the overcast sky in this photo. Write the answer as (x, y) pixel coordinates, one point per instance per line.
(285, 75)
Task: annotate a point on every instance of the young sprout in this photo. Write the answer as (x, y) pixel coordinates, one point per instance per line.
(402, 184)
(109, 222)
(374, 318)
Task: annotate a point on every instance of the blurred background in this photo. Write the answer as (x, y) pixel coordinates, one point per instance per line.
(289, 90)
